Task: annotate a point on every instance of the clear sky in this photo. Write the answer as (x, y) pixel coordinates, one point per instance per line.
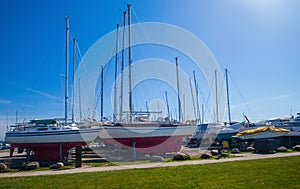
(258, 41)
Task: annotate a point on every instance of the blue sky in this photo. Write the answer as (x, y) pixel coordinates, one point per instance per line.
(258, 41)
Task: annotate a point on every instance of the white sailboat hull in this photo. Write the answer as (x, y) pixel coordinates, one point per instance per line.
(60, 136)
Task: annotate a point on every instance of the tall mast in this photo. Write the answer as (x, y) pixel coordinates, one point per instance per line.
(122, 66)
(193, 99)
(197, 98)
(79, 96)
(16, 118)
(67, 67)
(73, 87)
(227, 90)
(217, 106)
(102, 68)
(116, 74)
(178, 93)
(168, 109)
(202, 108)
(130, 64)
(147, 107)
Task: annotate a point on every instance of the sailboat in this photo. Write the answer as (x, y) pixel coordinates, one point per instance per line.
(50, 139)
(207, 133)
(262, 133)
(226, 133)
(140, 133)
(233, 128)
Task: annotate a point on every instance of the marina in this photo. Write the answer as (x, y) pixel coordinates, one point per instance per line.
(149, 94)
(132, 134)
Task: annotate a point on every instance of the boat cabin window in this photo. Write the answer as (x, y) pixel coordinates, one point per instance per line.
(42, 128)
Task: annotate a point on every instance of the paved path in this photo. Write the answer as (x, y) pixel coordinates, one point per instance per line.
(248, 156)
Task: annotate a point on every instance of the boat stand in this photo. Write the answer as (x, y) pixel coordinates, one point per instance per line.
(78, 157)
(60, 153)
(28, 154)
(133, 150)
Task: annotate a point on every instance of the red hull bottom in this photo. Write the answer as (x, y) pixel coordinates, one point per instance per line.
(47, 152)
(151, 145)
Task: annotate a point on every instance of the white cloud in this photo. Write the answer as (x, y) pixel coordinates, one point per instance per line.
(3, 101)
(35, 91)
(42, 93)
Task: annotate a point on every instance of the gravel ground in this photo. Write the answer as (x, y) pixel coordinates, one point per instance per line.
(240, 157)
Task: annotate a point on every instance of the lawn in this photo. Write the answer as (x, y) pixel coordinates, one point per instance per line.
(265, 173)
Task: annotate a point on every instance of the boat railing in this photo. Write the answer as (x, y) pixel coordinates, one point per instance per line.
(39, 125)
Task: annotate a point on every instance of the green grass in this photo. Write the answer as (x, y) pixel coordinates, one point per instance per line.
(264, 173)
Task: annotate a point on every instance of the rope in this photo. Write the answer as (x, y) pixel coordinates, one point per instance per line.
(242, 97)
